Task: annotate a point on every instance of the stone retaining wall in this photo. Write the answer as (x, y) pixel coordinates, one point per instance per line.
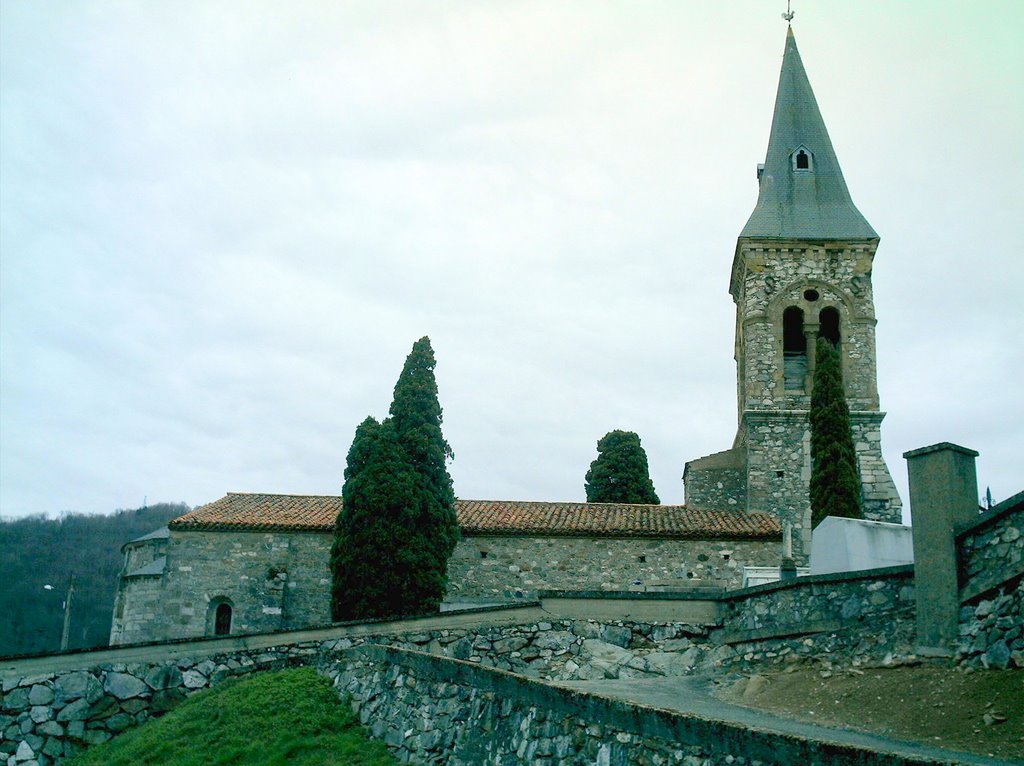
(853, 620)
(799, 605)
(57, 714)
(432, 710)
(46, 718)
(992, 630)
(991, 552)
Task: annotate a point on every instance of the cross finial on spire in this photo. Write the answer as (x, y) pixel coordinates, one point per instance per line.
(788, 15)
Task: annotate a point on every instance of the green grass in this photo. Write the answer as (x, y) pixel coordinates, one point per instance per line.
(290, 717)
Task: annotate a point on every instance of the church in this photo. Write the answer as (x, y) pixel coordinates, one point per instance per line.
(802, 268)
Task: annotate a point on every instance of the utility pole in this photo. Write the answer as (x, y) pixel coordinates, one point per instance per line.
(66, 634)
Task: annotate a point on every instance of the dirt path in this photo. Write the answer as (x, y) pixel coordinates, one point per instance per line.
(693, 695)
(981, 712)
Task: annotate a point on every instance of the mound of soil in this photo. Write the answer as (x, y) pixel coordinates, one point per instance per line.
(980, 712)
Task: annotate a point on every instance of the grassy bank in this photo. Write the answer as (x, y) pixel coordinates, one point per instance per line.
(290, 717)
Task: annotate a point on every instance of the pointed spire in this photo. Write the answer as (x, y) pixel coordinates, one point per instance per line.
(802, 192)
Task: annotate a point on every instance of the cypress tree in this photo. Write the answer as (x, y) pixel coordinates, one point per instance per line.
(379, 487)
(835, 483)
(620, 473)
(397, 527)
(416, 418)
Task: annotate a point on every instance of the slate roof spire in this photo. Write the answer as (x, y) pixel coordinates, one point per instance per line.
(802, 196)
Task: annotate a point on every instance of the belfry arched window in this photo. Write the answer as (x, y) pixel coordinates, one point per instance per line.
(829, 325)
(794, 349)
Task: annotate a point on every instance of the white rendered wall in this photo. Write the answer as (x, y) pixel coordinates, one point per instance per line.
(849, 545)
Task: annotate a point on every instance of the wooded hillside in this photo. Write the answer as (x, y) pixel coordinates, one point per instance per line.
(36, 551)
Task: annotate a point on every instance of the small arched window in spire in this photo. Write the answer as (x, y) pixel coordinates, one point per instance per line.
(803, 159)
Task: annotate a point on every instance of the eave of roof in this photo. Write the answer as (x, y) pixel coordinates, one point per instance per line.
(317, 513)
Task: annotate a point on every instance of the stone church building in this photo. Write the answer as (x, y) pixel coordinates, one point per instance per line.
(802, 267)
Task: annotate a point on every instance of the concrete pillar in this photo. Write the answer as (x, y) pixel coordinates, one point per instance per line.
(943, 500)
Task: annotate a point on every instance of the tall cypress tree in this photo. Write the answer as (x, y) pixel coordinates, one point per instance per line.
(620, 473)
(397, 527)
(416, 417)
(835, 483)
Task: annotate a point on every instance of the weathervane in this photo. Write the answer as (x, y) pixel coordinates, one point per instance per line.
(788, 15)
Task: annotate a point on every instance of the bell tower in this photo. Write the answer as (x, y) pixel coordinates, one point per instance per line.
(802, 268)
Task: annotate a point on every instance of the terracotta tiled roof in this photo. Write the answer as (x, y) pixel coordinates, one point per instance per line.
(490, 517)
(244, 511)
(316, 513)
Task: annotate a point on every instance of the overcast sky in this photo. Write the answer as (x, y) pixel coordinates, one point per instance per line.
(225, 224)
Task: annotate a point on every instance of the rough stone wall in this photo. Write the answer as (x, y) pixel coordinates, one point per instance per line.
(885, 640)
(717, 482)
(768, 278)
(432, 711)
(47, 718)
(277, 581)
(778, 448)
(881, 500)
(518, 567)
(779, 470)
(51, 716)
(830, 622)
(272, 580)
(841, 599)
(992, 630)
(991, 551)
(139, 554)
(137, 609)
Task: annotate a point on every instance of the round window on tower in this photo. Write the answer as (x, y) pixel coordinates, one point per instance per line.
(811, 295)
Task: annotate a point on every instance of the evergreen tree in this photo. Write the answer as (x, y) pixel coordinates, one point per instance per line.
(835, 483)
(416, 417)
(620, 473)
(397, 527)
(375, 532)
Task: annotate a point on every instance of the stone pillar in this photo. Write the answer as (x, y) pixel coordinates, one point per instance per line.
(943, 500)
(811, 330)
(787, 571)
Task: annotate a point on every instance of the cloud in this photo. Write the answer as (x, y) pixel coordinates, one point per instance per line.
(223, 229)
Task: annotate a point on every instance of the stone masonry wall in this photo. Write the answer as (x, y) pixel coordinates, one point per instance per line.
(138, 609)
(768, 279)
(819, 599)
(519, 567)
(992, 630)
(779, 472)
(991, 551)
(717, 481)
(57, 714)
(431, 710)
(990, 563)
(276, 581)
(272, 580)
(142, 552)
(47, 718)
